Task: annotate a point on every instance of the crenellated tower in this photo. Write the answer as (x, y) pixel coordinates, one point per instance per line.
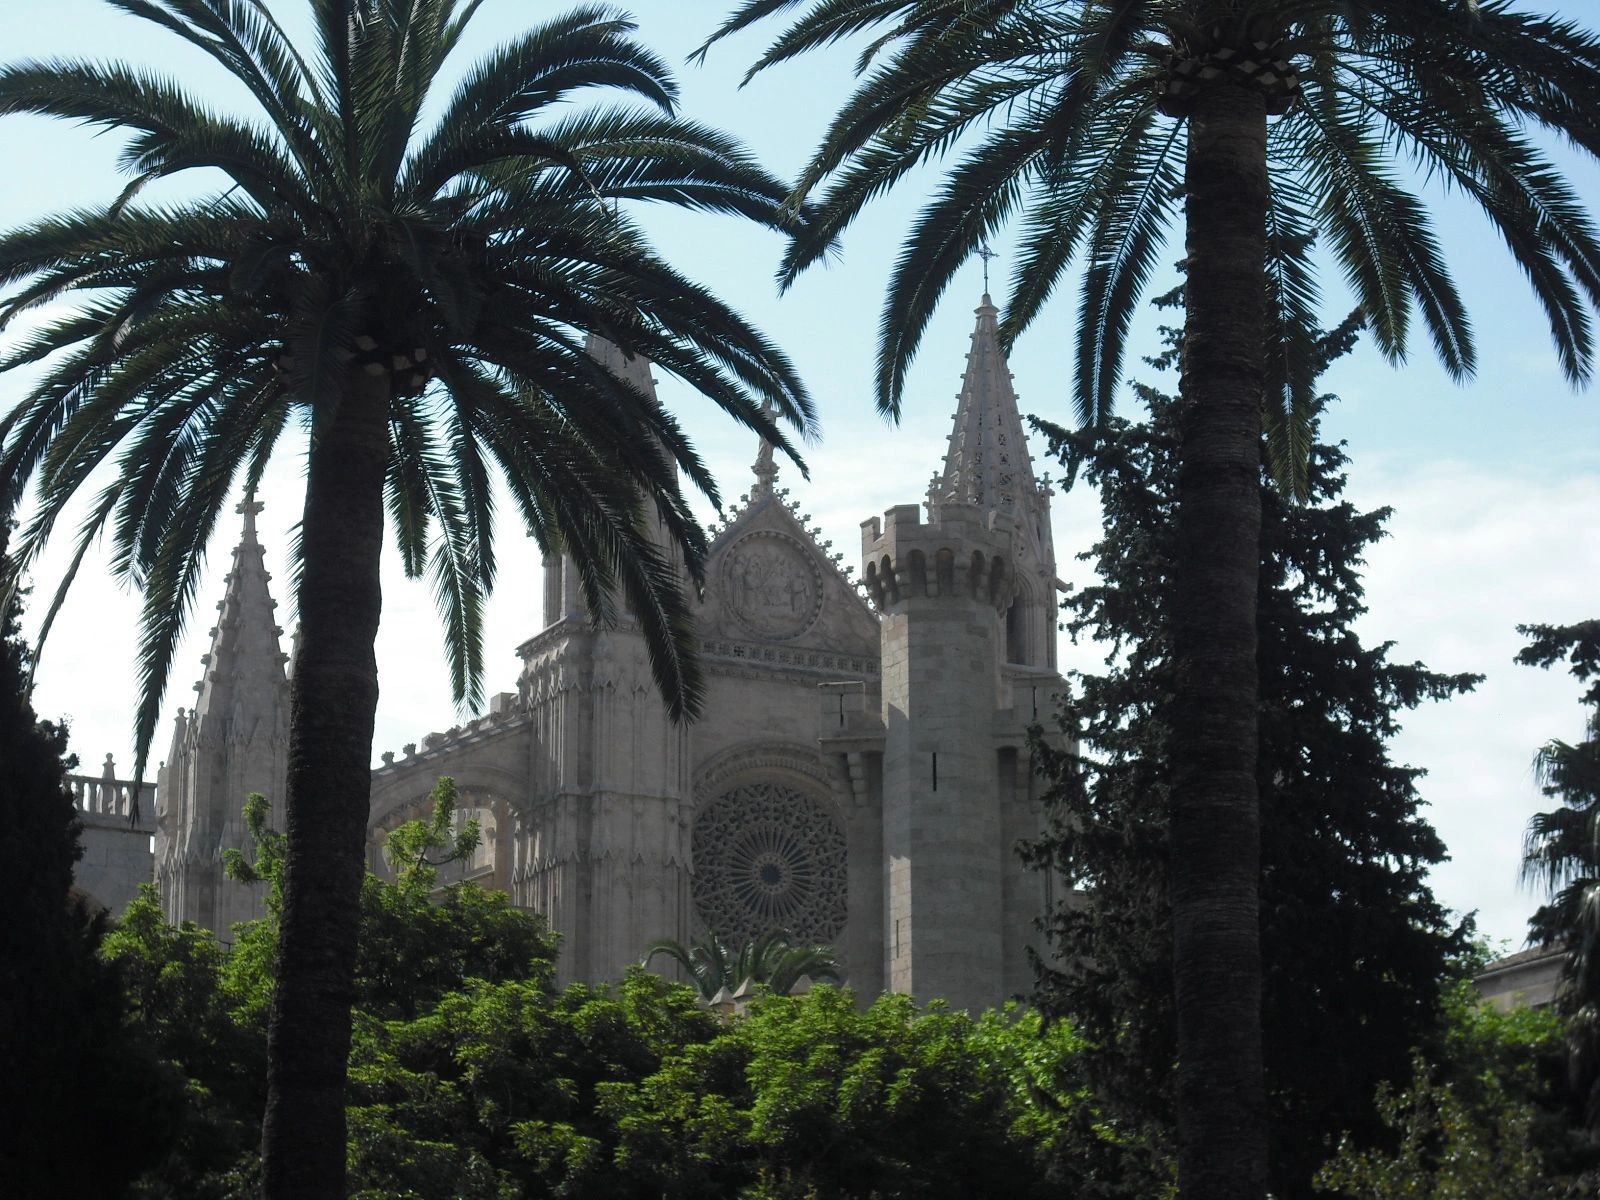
(967, 604)
(941, 587)
(233, 742)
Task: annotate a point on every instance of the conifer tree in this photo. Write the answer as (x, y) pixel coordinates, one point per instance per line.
(69, 1068)
(1563, 855)
(1354, 944)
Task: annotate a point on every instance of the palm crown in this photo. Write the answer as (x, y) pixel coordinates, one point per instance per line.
(462, 266)
(1060, 111)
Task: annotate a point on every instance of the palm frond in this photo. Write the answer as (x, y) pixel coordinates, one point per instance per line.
(1129, 230)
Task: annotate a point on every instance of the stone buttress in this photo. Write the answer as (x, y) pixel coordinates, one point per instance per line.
(600, 842)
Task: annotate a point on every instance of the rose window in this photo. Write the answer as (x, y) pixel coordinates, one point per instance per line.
(769, 857)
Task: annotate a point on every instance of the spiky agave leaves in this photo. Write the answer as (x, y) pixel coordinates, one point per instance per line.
(774, 960)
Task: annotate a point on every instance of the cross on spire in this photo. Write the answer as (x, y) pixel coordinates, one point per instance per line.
(248, 508)
(986, 254)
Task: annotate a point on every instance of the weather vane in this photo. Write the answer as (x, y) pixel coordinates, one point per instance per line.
(986, 254)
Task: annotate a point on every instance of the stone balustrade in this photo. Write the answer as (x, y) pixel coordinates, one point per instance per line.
(104, 799)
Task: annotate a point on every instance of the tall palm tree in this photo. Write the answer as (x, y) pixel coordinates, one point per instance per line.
(774, 960)
(1102, 126)
(413, 286)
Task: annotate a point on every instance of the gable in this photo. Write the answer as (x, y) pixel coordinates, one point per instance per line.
(769, 584)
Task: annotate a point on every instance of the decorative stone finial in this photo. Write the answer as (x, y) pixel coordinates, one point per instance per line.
(765, 469)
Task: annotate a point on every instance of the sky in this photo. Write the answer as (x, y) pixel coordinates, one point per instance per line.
(1494, 486)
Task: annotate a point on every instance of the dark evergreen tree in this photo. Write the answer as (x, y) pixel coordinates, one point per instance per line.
(1354, 944)
(1562, 853)
(82, 1106)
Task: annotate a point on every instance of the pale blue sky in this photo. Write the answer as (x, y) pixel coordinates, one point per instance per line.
(1494, 485)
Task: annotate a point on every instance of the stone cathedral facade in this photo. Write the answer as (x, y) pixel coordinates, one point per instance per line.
(860, 774)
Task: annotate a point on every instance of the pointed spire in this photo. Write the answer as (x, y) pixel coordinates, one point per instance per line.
(244, 645)
(987, 463)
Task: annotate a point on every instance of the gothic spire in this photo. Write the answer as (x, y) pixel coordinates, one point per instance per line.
(987, 463)
(244, 656)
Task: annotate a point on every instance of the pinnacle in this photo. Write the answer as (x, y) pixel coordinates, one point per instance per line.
(987, 463)
(244, 643)
(626, 367)
(764, 468)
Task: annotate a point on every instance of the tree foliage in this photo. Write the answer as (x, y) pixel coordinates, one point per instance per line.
(1058, 116)
(1562, 851)
(69, 1063)
(1355, 944)
(1482, 1118)
(207, 1008)
(460, 259)
(474, 1076)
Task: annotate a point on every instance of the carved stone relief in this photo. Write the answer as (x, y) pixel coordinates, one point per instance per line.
(771, 585)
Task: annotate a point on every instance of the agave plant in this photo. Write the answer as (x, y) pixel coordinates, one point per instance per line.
(774, 960)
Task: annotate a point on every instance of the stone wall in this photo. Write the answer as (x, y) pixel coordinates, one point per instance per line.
(118, 852)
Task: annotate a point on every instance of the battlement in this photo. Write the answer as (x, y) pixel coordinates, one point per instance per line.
(963, 552)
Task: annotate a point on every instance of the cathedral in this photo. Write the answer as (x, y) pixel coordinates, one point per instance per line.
(860, 773)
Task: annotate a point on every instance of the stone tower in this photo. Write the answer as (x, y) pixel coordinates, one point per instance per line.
(967, 606)
(233, 742)
(603, 849)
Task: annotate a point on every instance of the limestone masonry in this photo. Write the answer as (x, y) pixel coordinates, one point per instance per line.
(860, 775)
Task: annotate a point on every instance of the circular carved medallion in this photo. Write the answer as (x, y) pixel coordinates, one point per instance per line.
(772, 586)
(768, 857)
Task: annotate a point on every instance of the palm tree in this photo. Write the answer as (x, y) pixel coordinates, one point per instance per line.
(415, 294)
(774, 960)
(1100, 127)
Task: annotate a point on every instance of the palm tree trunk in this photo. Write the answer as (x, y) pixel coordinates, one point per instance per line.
(334, 698)
(1216, 841)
